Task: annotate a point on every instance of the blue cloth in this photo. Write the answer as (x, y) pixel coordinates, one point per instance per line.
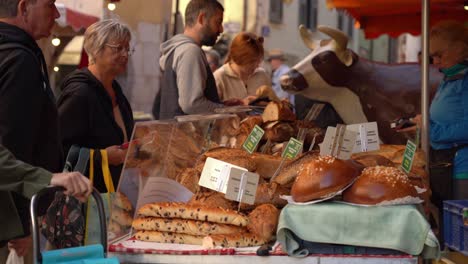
(275, 80)
(449, 119)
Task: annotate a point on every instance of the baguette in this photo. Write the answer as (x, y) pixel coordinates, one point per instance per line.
(190, 227)
(167, 237)
(234, 240)
(184, 211)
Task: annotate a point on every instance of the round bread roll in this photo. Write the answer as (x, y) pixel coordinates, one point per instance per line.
(263, 221)
(323, 176)
(378, 184)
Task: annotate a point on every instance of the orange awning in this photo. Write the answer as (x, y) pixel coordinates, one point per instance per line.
(394, 17)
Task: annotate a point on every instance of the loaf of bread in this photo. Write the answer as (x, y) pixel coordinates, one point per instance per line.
(372, 160)
(121, 201)
(290, 171)
(278, 111)
(234, 240)
(279, 131)
(322, 177)
(268, 193)
(379, 184)
(121, 217)
(263, 221)
(189, 178)
(168, 237)
(184, 211)
(267, 164)
(211, 199)
(190, 227)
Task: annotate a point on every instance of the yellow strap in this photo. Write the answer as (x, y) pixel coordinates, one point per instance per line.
(91, 165)
(106, 172)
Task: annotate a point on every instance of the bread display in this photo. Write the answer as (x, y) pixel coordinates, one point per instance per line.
(379, 184)
(323, 176)
(184, 211)
(263, 221)
(278, 111)
(190, 227)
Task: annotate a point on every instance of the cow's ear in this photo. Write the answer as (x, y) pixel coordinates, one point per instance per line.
(347, 57)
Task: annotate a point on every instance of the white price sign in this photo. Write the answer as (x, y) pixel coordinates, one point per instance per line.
(215, 174)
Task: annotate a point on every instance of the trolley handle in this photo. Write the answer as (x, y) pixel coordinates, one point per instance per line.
(35, 226)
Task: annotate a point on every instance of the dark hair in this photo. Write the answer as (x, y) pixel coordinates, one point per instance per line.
(194, 8)
(245, 48)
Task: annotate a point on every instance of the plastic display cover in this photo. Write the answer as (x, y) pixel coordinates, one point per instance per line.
(158, 151)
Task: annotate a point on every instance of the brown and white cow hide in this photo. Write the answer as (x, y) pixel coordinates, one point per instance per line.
(360, 90)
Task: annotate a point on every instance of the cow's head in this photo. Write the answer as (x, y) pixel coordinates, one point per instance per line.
(331, 53)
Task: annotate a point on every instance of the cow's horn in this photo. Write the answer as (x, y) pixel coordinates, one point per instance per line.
(305, 35)
(337, 35)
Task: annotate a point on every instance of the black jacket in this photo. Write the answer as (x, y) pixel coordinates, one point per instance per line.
(86, 117)
(28, 114)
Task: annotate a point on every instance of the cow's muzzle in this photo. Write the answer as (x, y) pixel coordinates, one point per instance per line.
(293, 81)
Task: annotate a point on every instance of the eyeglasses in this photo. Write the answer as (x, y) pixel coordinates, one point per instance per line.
(121, 49)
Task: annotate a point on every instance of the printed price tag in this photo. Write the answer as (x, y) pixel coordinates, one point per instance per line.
(367, 137)
(408, 156)
(215, 174)
(293, 148)
(250, 144)
(347, 144)
(242, 186)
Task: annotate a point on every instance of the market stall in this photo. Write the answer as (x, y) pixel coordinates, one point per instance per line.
(165, 201)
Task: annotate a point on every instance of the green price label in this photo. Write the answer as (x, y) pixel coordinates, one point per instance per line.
(250, 144)
(293, 149)
(408, 156)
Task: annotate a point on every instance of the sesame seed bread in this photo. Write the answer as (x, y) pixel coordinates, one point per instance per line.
(184, 211)
(378, 184)
(182, 226)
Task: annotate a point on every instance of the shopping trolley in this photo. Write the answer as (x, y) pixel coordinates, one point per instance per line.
(95, 254)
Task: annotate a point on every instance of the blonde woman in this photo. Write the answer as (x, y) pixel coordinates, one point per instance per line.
(93, 111)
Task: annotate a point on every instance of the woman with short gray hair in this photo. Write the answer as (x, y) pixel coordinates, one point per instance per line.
(93, 111)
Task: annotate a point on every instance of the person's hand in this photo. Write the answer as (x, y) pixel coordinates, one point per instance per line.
(417, 120)
(75, 184)
(20, 245)
(233, 102)
(248, 99)
(116, 155)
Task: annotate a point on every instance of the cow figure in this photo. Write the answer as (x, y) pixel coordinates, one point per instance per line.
(360, 90)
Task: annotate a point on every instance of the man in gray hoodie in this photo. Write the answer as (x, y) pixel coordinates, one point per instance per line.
(188, 85)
